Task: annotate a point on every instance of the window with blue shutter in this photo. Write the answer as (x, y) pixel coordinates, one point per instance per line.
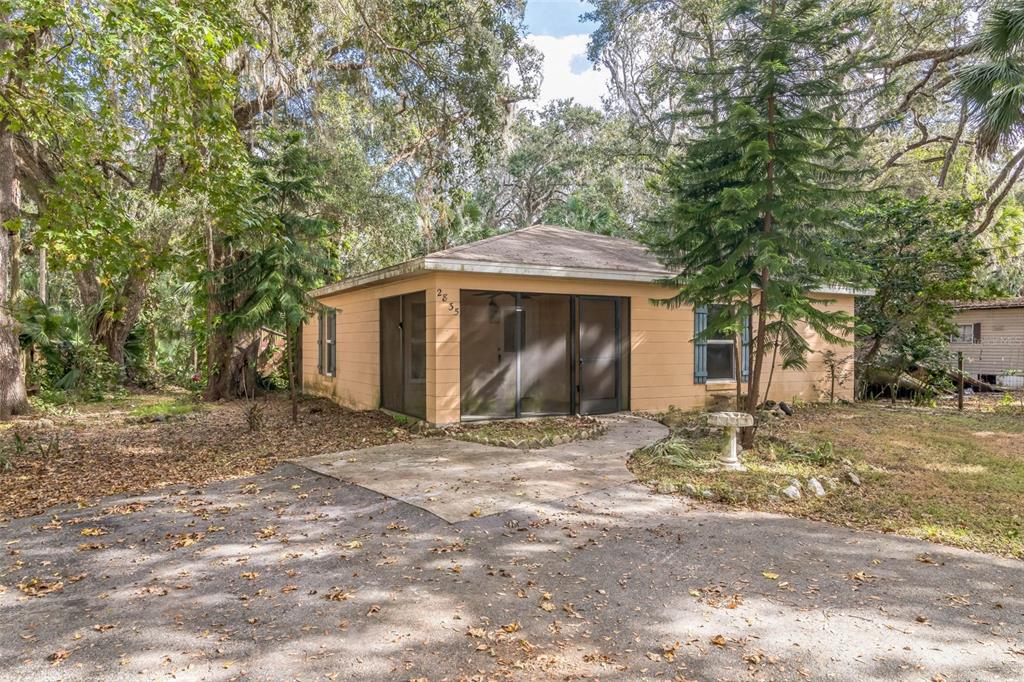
(700, 345)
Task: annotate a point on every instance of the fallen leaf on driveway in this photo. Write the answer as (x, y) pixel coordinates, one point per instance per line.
(93, 532)
(58, 656)
(34, 587)
(718, 640)
(338, 594)
(770, 575)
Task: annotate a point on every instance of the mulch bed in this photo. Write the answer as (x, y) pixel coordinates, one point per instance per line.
(529, 433)
(103, 450)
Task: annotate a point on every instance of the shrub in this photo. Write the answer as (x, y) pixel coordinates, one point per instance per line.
(76, 370)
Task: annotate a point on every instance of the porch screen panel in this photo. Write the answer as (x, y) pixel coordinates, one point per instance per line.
(391, 353)
(599, 365)
(488, 347)
(545, 365)
(414, 354)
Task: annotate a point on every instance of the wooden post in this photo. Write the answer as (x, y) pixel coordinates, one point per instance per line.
(960, 380)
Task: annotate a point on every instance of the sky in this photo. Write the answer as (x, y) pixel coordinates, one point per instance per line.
(556, 30)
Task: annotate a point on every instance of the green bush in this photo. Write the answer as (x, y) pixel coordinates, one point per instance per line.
(77, 371)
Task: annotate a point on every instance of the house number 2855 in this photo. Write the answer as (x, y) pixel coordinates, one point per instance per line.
(443, 295)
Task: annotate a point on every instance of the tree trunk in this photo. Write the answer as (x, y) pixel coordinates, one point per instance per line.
(754, 386)
(292, 379)
(116, 317)
(234, 366)
(13, 398)
(43, 271)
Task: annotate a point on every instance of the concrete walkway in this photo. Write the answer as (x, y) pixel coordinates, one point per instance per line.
(457, 480)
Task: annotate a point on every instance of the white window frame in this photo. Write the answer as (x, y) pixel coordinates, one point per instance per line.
(732, 360)
(965, 334)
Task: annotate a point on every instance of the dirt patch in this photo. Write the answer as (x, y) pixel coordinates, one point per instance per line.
(149, 441)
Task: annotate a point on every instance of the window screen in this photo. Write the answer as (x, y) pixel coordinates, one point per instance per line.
(331, 345)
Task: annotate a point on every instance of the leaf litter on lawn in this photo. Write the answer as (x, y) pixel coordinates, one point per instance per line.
(103, 451)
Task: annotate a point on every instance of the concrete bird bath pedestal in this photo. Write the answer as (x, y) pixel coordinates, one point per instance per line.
(730, 421)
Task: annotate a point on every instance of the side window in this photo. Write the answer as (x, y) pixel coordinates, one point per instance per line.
(715, 356)
(326, 341)
(332, 342)
(967, 333)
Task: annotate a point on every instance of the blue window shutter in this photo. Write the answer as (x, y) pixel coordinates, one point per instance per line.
(320, 342)
(700, 345)
(745, 351)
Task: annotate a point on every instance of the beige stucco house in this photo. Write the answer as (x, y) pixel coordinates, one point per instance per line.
(991, 336)
(540, 321)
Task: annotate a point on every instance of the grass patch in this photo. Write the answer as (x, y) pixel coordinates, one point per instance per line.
(172, 407)
(935, 474)
(529, 433)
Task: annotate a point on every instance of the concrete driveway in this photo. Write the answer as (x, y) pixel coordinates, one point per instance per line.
(295, 576)
(458, 480)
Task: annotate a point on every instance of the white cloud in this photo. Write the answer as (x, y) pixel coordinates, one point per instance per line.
(562, 56)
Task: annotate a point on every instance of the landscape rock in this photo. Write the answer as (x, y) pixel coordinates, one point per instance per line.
(853, 478)
(707, 494)
(816, 487)
(44, 423)
(791, 492)
(688, 489)
(787, 408)
(795, 482)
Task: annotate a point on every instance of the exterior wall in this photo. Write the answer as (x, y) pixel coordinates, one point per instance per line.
(813, 383)
(661, 351)
(1002, 341)
(356, 383)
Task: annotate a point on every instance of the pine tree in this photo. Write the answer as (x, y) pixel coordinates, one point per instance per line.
(286, 254)
(757, 197)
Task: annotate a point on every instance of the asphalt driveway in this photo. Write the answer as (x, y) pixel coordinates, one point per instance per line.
(292, 575)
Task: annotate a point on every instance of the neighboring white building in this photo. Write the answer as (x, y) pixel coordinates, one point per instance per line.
(991, 336)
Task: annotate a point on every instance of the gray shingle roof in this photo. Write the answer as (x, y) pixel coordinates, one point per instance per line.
(540, 251)
(991, 304)
(551, 246)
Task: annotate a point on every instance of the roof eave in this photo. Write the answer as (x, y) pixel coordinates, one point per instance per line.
(527, 270)
(435, 264)
(405, 269)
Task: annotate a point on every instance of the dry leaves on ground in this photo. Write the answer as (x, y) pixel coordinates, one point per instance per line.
(103, 451)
